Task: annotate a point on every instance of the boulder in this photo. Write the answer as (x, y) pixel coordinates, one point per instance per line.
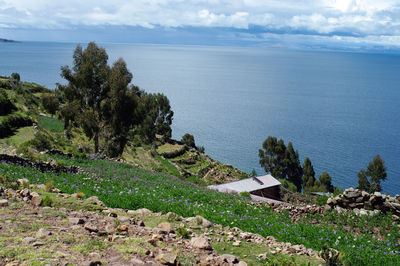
(167, 227)
(201, 243)
(167, 258)
(36, 199)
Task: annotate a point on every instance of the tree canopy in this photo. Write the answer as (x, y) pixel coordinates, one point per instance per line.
(100, 99)
(376, 171)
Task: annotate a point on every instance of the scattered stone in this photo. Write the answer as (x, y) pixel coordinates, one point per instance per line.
(136, 261)
(167, 227)
(143, 211)
(201, 243)
(123, 228)
(28, 240)
(227, 258)
(42, 233)
(74, 220)
(167, 258)
(236, 243)
(91, 227)
(36, 199)
(3, 203)
(38, 244)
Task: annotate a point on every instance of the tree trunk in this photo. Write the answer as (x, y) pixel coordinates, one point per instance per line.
(96, 142)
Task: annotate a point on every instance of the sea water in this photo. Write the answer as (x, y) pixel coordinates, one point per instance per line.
(339, 109)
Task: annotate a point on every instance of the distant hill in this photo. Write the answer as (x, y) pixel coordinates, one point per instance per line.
(5, 40)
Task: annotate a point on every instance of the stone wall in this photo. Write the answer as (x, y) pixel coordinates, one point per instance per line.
(357, 199)
(42, 166)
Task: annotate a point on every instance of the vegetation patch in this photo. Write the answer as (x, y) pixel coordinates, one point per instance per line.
(50, 123)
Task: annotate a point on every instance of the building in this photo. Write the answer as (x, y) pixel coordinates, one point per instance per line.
(263, 186)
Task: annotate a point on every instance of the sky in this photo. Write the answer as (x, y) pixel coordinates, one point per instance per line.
(366, 24)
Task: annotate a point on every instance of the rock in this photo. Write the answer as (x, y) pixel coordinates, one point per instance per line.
(200, 243)
(25, 192)
(96, 201)
(42, 233)
(167, 227)
(236, 244)
(242, 263)
(21, 181)
(95, 263)
(74, 220)
(143, 211)
(91, 227)
(353, 194)
(36, 199)
(124, 219)
(123, 228)
(38, 244)
(227, 258)
(262, 256)
(136, 261)
(3, 203)
(167, 258)
(28, 240)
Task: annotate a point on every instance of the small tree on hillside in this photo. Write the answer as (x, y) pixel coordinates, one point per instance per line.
(188, 139)
(309, 180)
(326, 182)
(376, 171)
(16, 77)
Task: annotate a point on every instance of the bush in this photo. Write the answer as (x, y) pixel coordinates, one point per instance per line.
(182, 232)
(188, 140)
(321, 200)
(16, 77)
(51, 103)
(49, 186)
(288, 185)
(201, 149)
(6, 106)
(80, 195)
(47, 202)
(41, 142)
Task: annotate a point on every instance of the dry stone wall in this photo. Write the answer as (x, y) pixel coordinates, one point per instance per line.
(357, 199)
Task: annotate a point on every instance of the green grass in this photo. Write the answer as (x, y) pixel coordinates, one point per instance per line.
(169, 148)
(124, 186)
(22, 135)
(51, 124)
(169, 167)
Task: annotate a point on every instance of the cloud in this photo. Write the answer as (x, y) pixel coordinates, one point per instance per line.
(369, 19)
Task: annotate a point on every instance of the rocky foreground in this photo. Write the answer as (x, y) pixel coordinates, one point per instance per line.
(74, 231)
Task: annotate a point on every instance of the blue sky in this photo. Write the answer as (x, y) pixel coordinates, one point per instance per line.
(353, 24)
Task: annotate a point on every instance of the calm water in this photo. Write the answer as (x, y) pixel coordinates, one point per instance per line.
(339, 109)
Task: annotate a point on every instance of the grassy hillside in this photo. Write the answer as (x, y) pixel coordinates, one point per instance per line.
(32, 130)
(362, 241)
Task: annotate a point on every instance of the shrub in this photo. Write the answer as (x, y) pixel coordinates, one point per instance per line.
(25, 184)
(321, 200)
(6, 106)
(41, 142)
(47, 202)
(51, 103)
(188, 140)
(49, 186)
(201, 149)
(16, 77)
(182, 232)
(80, 195)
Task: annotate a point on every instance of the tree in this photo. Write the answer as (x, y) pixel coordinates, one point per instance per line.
(188, 139)
(88, 86)
(120, 108)
(376, 171)
(326, 182)
(271, 158)
(253, 173)
(281, 161)
(363, 182)
(308, 175)
(50, 103)
(157, 116)
(294, 170)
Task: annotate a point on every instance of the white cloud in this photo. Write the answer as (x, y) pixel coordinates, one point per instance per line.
(377, 18)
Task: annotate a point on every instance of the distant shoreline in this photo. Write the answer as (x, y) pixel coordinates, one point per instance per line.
(5, 40)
